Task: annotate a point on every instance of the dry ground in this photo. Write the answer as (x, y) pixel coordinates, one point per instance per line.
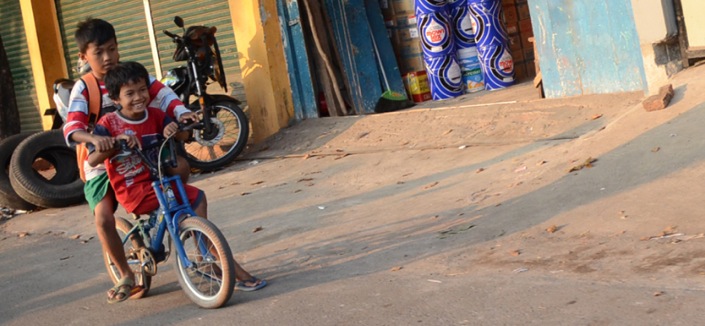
(483, 200)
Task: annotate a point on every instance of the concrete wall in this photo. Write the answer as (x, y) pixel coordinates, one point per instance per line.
(694, 23)
(587, 47)
(46, 53)
(264, 72)
(656, 25)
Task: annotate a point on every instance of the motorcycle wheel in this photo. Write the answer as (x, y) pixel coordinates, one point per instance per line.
(214, 149)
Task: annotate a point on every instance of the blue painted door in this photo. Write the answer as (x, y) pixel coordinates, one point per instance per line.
(587, 47)
(297, 60)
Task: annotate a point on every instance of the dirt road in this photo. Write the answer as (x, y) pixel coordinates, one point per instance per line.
(467, 213)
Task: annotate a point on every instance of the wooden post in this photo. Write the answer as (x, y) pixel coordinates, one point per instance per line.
(682, 33)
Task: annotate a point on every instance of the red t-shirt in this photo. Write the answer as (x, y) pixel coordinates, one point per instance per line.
(129, 176)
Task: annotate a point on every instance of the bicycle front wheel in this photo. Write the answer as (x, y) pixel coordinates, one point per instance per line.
(209, 281)
(132, 248)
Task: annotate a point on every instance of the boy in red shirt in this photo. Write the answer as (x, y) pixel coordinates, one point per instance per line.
(144, 127)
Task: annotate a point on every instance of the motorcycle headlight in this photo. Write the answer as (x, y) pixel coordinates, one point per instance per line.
(170, 80)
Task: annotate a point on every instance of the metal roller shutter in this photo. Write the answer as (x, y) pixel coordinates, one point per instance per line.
(15, 42)
(126, 16)
(209, 13)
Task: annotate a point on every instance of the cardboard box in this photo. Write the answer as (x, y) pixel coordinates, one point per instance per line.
(410, 63)
(512, 27)
(510, 14)
(525, 26)
(403, 7)
(408, 38)
(403, 21)
(523, 11)
(387, 9)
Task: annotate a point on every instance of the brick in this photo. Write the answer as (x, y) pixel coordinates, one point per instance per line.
(514, 42)
(525, 44)
(530, 69)
(659, 101)
(525, 26)
(523, 11)
(512, 27)
(518, 55)
(519, 72)
(510, 14)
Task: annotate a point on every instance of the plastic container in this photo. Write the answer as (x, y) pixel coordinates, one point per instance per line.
(444, 77)
(487, 23)
(497, 65)
(461, 24)
(436, 34)
(428, 6)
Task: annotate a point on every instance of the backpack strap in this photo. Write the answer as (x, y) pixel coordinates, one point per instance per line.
(95, 103)
(95, 97)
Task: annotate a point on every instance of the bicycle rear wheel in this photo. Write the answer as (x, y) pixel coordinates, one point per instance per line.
(132, 253)
(209, 281)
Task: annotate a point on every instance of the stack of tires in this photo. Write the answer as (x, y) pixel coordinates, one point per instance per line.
(39, 170)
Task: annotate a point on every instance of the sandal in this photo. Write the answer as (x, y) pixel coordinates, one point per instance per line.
(122, 290)
(258, 284)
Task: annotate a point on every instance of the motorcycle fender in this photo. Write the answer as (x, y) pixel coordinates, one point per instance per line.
(212, 98)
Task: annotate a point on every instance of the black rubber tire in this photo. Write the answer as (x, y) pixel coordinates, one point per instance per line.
(8, 195)
(142, 279)
(234, 139)
(32, 186)
(201, 289)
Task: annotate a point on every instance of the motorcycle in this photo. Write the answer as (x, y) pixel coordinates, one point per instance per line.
(224, 130)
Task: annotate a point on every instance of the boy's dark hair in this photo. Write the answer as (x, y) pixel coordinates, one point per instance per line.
(122, 74)
(93, 30)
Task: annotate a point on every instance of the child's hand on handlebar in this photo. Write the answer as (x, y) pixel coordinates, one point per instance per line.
(102, 143)
(171, 129)
(132, 140)
(188, 118)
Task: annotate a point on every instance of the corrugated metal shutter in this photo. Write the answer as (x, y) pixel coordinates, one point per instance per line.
(126, 16)
(15, 42)
(209, 13)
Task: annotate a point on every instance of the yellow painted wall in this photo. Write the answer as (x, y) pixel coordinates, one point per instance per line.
(694, 23)
(46, 52)
(263, 65)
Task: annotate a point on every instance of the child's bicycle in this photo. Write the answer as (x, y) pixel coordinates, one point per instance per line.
(204, 263)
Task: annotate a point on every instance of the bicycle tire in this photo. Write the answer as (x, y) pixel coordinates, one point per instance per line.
(141, 278)
(209, 152)
(8, 195)
(201, 283)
